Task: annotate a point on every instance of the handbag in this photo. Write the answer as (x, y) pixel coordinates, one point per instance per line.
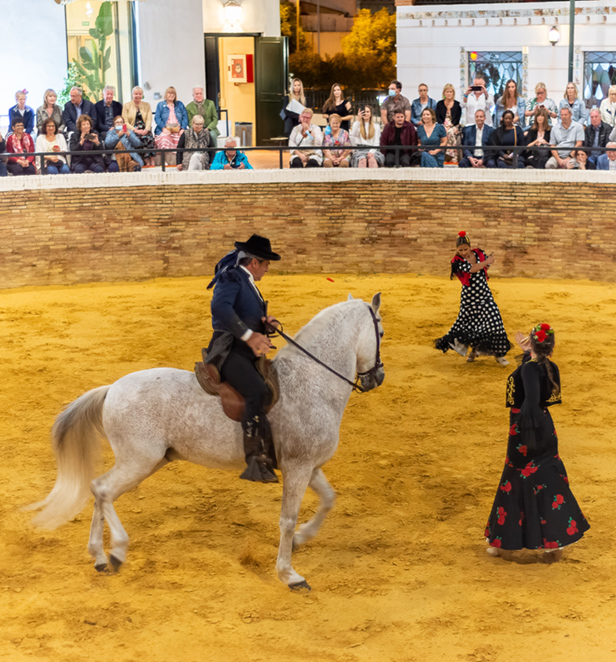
(173, 128)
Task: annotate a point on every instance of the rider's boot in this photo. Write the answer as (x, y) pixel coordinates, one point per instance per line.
(260, 467)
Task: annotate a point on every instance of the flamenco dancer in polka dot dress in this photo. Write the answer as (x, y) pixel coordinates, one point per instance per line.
(534, 507)
(479, 324)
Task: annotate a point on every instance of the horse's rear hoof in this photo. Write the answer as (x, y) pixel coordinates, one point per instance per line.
(115, 563)
(300, 586)
(101, 567)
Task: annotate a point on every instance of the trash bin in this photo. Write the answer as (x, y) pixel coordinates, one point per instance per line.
(243, 131)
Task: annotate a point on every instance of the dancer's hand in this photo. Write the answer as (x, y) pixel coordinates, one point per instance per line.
(490, 259)
(523, 341)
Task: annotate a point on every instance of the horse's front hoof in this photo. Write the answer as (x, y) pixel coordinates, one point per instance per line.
(116, 564)
(101, 567)
(300, 586)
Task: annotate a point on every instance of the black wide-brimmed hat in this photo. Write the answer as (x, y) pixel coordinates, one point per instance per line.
(259, 247)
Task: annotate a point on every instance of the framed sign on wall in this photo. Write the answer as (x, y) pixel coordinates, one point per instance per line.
(236, 68)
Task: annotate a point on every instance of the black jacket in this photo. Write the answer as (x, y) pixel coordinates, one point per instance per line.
(99, 107)
(69, 116)
(441, 112)
(88, 148)
(604, 135)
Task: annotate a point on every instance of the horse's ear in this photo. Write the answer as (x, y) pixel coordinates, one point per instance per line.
(376, 302)
(350, 297)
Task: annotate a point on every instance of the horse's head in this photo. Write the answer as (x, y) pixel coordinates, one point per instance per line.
(369, 366)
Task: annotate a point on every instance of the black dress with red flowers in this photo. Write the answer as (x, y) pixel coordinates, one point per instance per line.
(534, 507)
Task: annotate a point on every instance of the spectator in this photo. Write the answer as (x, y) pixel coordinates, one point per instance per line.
(398, 132)
(171, 120)
(596, 135)
(308, 136)
(449, 113)
(508, 135)
(607, 161)
(418, 105)
(291, 118)
(206, 108)
(477, 98)
(565, 136)
(365, 133)
(395, 101)
(120, 138)
(19, 142)
(25, 113)
(137, 115)
(3, 170)
(49, 140)
(541, 99)
(197, 137)
(106, 110)
(336, 139)
(538, 136)
(75, 108)
(431, 133)
(580, 160)
(511, 100)
(608, 107)
(572, 101)
(337, 104)
(49, 109)
(613, 135)
(86, 139)
(232, 159)
(478, 133)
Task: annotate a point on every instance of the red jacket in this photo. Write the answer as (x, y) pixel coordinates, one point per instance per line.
(27, 145)
(408, 136)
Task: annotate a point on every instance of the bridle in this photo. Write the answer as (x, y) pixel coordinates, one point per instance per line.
(356, 385)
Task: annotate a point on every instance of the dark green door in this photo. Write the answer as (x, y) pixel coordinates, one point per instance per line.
(272, 69)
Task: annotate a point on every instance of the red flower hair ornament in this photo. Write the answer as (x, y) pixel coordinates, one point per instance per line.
(541, 332)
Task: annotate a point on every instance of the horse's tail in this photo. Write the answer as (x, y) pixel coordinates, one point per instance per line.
(75, 441)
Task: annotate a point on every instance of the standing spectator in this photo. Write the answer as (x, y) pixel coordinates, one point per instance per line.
(138, 117)
(449, 113)
(337, 104)
(85, 139)
(608, 107)
(398, 132)
(511, 100)
(308, 136)
(365, 133)
(395, 101)
(334, 142)
(565, 136)
(121, 139)
(19, 142)
(231, 159)
(596, 135)
(431, 133)
(106, 110)
(477, 98)
(25, 113)
(3, 170)
(538, 136)
(607, 161)
(197, 137)
(75, 108)
(541, 99)
(49, 140)
(477, 134)
(420, 104)
(572, 101)
(49, 109)
(291, 118)
(508, 135)
(206, 108)
(171, 120)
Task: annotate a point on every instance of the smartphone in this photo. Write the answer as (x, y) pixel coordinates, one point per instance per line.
(124, 128)
(89, 136)
(476, 88)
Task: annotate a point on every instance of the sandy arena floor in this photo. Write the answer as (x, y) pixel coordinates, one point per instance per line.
(399, 571)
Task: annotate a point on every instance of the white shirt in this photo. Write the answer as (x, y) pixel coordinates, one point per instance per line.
(612, 164)
(478, 153)
(473, 104)
(249, 332)
(358, 141)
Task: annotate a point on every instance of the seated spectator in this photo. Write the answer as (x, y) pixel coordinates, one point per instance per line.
(596, 135)
(231, 159)
(607, 161)
(541, 99)
(49, 109)
(76, 107)
(395, 101)
(608, 107)
(25, 113)
(337, 104)
(538, 136)
(477, 134)
(207, 109)
(197, 137)
(291, 118)
(334, 142)
(308, 136)
(3, 170)
(449, 113)
(365, 133)
(19, 143)
(86, 139)
(431, 134)
(137, 115)
(420, 104)
(506, 136)
(171, 121)
(565, 136)
(511, 100)
(398, 132)
(120, 138)
(572, 101)
(106, 110)
(49, 140)
(477, 99)
(580, 160)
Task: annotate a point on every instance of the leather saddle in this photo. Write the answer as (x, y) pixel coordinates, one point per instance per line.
(233, 403)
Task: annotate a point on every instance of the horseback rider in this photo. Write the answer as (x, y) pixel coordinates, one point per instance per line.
(239, 316)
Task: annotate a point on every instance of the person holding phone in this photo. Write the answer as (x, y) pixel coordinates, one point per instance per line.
(477, 98)
(365, 133)
(49, 140)
(85, 139)
(542, 99)
(121, 139)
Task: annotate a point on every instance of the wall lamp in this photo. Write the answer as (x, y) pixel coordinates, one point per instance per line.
(554, 35)
(233, 12)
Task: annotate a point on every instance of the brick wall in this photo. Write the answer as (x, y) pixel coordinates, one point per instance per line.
(558, 229)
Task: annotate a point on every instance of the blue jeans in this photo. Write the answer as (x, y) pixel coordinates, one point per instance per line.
(58, 168)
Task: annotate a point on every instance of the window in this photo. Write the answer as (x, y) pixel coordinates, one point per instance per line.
(599, 75)
(496, 67)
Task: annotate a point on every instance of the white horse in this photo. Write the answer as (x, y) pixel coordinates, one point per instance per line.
(155, 416)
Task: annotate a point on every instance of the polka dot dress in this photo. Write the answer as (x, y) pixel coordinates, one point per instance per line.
(479, 324)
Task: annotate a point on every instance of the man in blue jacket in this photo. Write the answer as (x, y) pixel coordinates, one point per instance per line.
(75, 107)
(239, 314)
(607, 161)
(477, 134)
